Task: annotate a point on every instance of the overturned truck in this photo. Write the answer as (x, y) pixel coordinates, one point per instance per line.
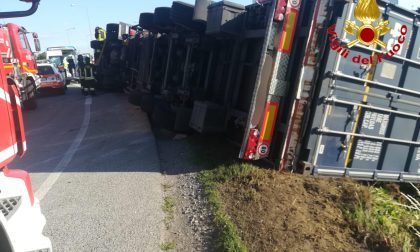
(320, 86)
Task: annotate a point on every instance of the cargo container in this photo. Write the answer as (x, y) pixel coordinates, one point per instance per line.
(361, 114)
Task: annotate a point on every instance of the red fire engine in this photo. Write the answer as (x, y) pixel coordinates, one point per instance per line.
(21, 220)
(19, 61)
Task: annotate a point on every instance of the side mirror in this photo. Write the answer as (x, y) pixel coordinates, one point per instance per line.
(37, 45)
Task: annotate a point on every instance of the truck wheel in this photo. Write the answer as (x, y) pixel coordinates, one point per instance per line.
(31, 104)
(162, 17)
(146, 20)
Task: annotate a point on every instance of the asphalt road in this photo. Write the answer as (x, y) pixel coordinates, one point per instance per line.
(94, 166)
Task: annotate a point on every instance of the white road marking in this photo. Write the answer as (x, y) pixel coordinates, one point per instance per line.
(68, 156)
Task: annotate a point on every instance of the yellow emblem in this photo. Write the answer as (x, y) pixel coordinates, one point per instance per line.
(367, 12)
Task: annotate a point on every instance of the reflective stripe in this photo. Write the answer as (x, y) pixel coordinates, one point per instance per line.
(90, 76)
(24, 146)
(18, 101)
(269, 121)
(30, 70)
(8, 153)
(289, 32)
(4, 95)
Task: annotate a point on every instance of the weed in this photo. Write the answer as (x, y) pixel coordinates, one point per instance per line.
(169, 210)
(166, 187)
(382, 222)
(167, 246)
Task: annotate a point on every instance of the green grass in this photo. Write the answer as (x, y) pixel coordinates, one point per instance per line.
(229, 239)
(166, 187)
(169, 210)
(167, 246)
(382, 222)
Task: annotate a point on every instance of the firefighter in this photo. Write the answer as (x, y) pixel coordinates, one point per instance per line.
(72, 66)
(81, 72)
(89, 77)
(100, 34)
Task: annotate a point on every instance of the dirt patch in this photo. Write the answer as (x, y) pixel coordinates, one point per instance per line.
(288, 212)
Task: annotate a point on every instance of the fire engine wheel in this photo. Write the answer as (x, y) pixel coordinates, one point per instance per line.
(31, 103)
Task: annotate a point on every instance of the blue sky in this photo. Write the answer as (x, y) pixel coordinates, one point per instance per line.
(59, 23)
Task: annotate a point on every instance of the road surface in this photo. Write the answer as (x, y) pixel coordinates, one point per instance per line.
(94, 166)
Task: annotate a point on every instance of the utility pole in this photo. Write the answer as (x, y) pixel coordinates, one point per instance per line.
(87, 15)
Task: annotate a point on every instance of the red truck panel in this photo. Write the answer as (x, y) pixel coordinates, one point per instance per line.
(23, 55)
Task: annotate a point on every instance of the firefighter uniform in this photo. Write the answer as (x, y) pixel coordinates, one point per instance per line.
(81, 73)
(89, 77)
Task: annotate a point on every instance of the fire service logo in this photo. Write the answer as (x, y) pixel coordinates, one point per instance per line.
(368, 33)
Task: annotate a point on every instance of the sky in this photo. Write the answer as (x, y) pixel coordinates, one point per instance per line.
(67, 22)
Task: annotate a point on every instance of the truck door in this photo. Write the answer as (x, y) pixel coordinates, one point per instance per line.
(8, 149)
(26, 56)
(271, 85)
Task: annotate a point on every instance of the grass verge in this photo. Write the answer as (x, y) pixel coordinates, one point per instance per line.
(382, 222)
(229, 239)
(169, 210)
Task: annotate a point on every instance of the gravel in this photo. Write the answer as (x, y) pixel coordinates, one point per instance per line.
(192, 228)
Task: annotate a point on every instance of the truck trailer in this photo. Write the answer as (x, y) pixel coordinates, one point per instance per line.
(320, 86)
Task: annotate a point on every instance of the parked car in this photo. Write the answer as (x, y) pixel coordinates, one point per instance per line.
(51, 78)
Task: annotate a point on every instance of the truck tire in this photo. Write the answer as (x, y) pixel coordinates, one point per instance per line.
(31, 103)
(112, 31)
(95, 44)
(146, 20)
(162, 19)
(182, 15)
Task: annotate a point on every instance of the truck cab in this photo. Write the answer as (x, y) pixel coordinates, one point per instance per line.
(19, 61)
